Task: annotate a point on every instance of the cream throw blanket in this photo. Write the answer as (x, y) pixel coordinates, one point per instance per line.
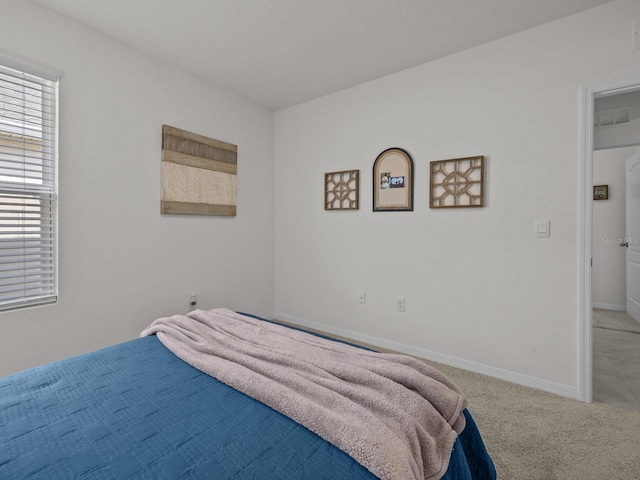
(394, 414)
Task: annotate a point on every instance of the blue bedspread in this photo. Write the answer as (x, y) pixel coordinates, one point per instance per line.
(135, 410)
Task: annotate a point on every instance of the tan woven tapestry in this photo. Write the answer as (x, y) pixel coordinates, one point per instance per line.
(199, 174)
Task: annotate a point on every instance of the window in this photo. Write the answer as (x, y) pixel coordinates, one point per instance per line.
(28, 189)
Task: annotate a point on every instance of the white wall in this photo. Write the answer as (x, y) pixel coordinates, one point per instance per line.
(481, 291)
(122, 263)
(609, 284)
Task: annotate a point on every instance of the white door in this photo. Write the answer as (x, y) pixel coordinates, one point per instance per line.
(632, 240)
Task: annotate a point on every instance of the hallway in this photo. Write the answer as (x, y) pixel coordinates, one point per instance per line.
(616, 359)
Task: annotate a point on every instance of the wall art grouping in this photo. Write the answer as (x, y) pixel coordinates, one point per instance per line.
(454, 183)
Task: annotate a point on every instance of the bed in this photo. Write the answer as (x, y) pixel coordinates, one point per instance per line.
(137, 410)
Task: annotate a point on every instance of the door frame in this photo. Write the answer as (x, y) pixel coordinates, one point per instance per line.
(631, 254)
(588, 94)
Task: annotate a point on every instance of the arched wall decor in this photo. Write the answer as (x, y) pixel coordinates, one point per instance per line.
(393, 181)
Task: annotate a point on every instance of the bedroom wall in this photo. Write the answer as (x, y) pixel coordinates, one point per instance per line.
(481, 291)
(122, 263)
(609, 281)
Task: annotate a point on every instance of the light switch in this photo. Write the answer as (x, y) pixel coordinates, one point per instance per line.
(542, 228)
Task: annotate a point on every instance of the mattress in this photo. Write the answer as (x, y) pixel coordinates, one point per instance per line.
(135, 410)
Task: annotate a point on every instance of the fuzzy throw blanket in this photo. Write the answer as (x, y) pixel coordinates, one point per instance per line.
(394, 414)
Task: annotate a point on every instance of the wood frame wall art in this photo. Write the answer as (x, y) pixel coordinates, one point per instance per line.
(601, 192)
(342, 190)
(393, 181)
(199, 174)
(457, 183)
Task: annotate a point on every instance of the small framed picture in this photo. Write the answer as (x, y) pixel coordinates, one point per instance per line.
(601, 192)
(393, 181)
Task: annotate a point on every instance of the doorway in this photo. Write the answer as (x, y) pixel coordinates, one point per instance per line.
(616, 336)
(586, 314)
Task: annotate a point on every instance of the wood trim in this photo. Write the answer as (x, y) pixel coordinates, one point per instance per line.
(187, 208)
(198, 162)
(176, 132)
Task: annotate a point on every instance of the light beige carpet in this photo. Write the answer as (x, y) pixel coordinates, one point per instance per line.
(613, 320)
(534, 435)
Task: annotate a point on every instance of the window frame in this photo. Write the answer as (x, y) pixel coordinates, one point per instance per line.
(39, 201)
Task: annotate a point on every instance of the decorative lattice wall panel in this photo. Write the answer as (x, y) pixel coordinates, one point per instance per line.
(341, 190)
(457, 183)
(199, 174)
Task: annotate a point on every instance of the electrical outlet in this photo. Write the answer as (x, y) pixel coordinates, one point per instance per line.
(193, 301)
(361, 297)
(400, 304)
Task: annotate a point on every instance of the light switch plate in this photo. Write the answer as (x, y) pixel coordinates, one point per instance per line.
(362, 297)
(542, 228)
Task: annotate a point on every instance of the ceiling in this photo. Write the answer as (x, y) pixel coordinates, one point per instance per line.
(279, 53)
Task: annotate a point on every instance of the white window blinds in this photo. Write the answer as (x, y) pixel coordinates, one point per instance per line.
(28, 190)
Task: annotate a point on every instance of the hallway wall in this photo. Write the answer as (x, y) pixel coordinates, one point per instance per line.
(609, 272)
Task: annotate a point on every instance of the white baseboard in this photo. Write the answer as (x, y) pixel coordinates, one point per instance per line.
(610, 306)
(496, 372)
